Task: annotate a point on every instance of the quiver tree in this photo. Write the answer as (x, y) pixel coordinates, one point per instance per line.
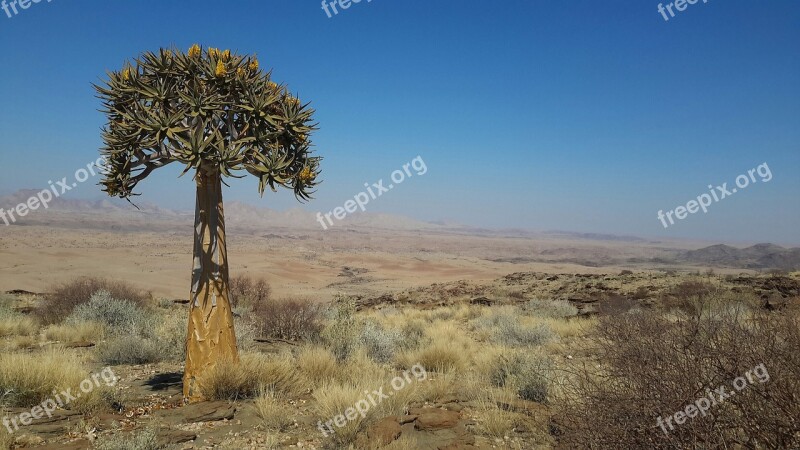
(218, 114)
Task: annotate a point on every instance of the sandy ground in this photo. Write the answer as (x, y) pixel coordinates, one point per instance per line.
(317, 264)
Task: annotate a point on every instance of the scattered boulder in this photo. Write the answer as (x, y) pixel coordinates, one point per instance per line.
(385, 431)
(429, 419)
(200, 412)
(172, 437)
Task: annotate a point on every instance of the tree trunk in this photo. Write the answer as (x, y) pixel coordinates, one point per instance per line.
(211, 338)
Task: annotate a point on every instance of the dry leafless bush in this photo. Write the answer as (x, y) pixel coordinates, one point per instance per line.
(290, 319)
(247, 292)
(654, 365)
(614, 304)
(682, 296)
(64, 297)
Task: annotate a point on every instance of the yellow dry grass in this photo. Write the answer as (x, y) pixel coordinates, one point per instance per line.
(29, 379)
(254, 371)
(78, 332)
(317, 364)
(273, 410)
(18, 326)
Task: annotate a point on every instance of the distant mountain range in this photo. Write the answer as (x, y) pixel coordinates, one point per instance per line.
(759, 256)
(119, 215)
(64, 212)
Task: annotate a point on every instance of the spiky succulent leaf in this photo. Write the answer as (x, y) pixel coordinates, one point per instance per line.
(210, 110)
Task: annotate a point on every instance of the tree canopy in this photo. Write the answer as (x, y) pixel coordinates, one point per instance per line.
(210, 110)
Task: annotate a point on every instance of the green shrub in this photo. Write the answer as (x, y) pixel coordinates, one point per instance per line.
(65, 297)
(413, 334)
(129, 350)
(527, 373)
(342, 330)
(381, 344)
(246, 333)
(506, 328)
(136, 335)
(171, 337)
(117, 316)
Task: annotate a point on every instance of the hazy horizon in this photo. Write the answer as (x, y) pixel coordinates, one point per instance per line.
(543, 116)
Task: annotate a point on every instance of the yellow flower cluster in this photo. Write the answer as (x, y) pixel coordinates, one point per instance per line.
(253, 66)
(213, 52)
(294, 101)
(226, 55)
(194, 51)
(306, 175)
(240, 72)
(220, 72)
(272, 86)
(126, 74)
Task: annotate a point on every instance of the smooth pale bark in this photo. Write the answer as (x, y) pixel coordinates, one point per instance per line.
(211, 339)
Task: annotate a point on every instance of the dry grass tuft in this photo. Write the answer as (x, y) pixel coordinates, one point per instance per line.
(253, 372)
(494, 421)
(77, 332)
(29, 379)
(273, 410)
(17, 325)
(317, 364)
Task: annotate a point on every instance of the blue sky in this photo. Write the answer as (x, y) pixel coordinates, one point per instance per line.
(572, 115)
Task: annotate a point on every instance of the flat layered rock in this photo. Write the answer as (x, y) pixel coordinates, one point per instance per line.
(435, 419)
(172, 437)
(199, 412)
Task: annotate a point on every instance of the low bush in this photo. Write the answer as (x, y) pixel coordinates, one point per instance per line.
(66, 296)
(652, 365)
(246, 292)
(379, 343)
(506, 328)
(413, 332)
(290, 319)
(341, 331)
(129, 350)
(134, 335)
(171, 337)
(117, 316)
(528, 374)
